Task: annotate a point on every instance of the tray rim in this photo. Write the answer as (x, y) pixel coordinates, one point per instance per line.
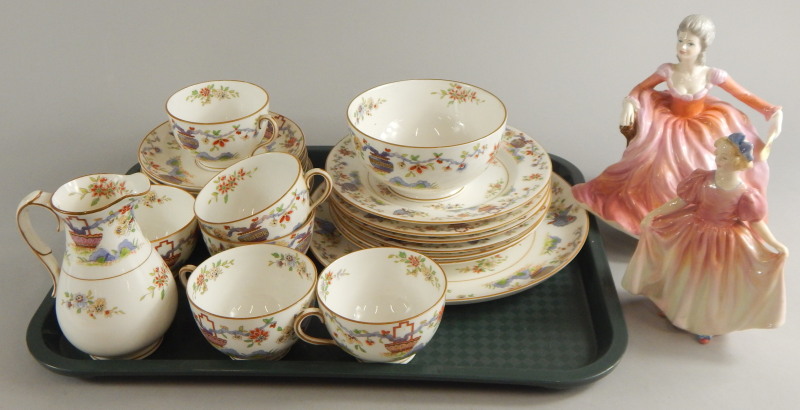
(606, 317)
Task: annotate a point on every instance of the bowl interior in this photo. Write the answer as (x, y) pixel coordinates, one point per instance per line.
(217, 101)
(381, 285)
(251, 281)
(247, 187)
(164, 211)
(426, 113)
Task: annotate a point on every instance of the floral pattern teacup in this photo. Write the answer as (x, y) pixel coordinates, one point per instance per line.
(220, 122)
(259, 199)
(245, 300)
(380, 304)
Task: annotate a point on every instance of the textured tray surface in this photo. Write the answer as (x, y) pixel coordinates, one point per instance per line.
(565, 332)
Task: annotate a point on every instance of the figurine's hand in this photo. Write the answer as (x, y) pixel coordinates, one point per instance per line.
(647, 220)
(765, 151)
(775, 125)
(628, 114)
(781, 248)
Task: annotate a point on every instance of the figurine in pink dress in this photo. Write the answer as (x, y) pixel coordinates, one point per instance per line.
(674, 133)
(704, 257)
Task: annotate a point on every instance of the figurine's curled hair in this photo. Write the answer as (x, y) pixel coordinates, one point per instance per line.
(702, 27)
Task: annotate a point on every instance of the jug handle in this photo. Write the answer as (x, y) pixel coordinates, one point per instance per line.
(37, 245)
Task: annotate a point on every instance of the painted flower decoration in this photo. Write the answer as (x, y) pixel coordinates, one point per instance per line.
(210, 92)
(102, 188)
(458, 94)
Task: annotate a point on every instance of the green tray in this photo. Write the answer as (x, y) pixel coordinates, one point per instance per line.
(567, 331)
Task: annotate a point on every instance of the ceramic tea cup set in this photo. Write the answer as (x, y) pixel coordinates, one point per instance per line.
(212, 125)
(380, 305)
(264, 198)
(116, 295)
(431, 199)
(431, 166)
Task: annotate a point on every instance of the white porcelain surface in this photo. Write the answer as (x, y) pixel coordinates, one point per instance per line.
(381, 304)
(162, 159)
(245, 300)
(219, 122)
(556, 241)
(426, 138)
(121, 317)
(166, 216)
(260, 198)
(519, 171)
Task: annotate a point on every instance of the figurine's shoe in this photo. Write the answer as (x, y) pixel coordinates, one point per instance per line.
(703, 339)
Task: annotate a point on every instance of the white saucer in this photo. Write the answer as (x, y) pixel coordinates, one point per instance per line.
(163, 160)
(550, 247)
(441, 232)
(451, 249)
(519, 171)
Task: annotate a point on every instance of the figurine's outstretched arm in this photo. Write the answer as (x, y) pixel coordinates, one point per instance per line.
(763, 231)
(631, 103)
(772, 113)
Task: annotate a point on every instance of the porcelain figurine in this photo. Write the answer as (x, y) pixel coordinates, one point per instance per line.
(674, 133)
(706, 258)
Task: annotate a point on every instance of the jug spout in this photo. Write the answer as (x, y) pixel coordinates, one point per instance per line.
(93, 193)
(102, 238)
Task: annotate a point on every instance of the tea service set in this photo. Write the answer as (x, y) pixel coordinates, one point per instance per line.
(430, 200)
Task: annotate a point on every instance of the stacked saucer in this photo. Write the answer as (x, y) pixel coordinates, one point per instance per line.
(507, 230)
(165, 162)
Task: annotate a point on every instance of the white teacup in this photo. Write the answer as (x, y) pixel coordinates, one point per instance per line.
(299, 240)
(261, 198)
(220, 122)
(245, 300)
(166, 216)
(380, 304)
(426, 139)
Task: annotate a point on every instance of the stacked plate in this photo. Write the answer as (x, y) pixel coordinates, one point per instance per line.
(163, 160)
(507, 230)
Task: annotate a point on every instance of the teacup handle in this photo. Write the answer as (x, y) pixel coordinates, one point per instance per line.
(183, 271)
(34, 241)
(259, 127)
(309, 175)
(308, 312)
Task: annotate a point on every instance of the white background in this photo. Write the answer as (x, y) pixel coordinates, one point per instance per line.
(83, 82)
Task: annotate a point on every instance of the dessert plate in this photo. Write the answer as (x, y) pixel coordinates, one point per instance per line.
(551, 246)
(163, 160)
(520, 170)
(440, 232)
(453, 249)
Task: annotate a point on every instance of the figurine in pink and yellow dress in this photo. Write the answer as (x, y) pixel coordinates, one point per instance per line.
(674, 134)
(704, 258)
